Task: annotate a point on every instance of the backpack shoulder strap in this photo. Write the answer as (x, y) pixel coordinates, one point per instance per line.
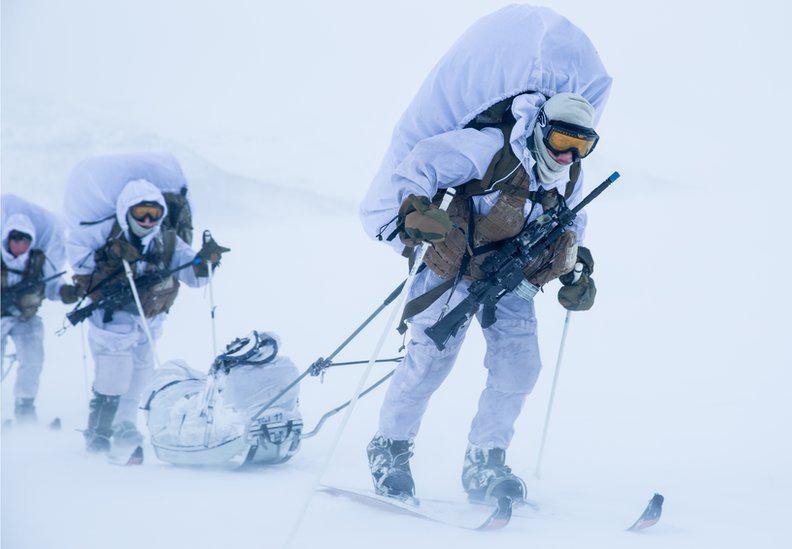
(502, 166)
(35, 265)
(168, 245)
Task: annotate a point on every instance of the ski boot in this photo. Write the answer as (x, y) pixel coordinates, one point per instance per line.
(100, 422)
(25, 411)
(389, 461)
(487, 479)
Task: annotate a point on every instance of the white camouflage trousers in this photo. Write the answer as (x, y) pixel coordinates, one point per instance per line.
(28, 338)
(512, 360)
(123, 359)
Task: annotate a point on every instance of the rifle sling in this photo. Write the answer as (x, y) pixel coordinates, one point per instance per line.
(422, 302)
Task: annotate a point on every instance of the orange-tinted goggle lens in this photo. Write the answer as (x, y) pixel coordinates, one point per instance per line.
(142, 211)
(559, 140)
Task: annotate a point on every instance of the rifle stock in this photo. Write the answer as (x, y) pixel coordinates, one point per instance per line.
(447, 327)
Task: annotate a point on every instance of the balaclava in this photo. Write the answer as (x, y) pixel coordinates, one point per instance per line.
(566, 107)
(137, 229)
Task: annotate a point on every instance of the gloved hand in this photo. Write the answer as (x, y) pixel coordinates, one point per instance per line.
(423, 221)
(578, 290)
(70, 294)
(121, 249)
(210, 252)
(557, 261)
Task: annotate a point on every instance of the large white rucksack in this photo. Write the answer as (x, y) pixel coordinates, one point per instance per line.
(515, 50)
(89, 205)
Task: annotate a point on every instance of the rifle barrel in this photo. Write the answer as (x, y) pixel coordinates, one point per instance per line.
(596, 192)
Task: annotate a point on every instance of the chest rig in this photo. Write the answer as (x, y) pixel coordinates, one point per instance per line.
(27, 295)
(475, 236)
(109, 275)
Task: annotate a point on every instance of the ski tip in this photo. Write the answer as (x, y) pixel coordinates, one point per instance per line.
(500, 517)
(55, 424)
(651, 515)
(137, 457)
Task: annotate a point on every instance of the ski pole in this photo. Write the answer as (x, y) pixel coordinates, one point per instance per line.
(207, 237)
(396, 311)
(143, 321)
(538, 470)
(84, 363)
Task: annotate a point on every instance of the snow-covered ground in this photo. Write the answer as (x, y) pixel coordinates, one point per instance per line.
(677, 381)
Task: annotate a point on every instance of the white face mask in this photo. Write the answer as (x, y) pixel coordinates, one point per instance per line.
(137, 229)
(547, 168)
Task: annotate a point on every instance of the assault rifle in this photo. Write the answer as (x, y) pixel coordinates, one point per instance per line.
(123, 295)
(503, 269)
(11, 294)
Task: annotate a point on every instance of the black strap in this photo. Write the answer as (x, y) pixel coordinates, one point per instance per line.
(89, 223)
(422, 302)
(15, 271)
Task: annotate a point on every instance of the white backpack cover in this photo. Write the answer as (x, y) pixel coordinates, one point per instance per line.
(516, 49)
(89, 206)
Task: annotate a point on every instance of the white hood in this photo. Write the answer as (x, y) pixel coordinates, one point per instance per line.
(136, 192)
(17, 222)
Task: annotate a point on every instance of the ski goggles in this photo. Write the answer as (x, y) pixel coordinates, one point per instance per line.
(19, 235)
(151, 210)
(562, 137)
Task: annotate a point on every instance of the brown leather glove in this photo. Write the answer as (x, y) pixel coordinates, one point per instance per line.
(70, 294)
(558, 260)
(578, 295)
(210, 252)
(423, 221)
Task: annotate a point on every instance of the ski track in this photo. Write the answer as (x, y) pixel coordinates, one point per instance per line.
(676, 382)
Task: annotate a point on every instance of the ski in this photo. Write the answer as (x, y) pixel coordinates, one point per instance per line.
(650, 516)
(135, 458)
(465, 516)
(500, 517)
